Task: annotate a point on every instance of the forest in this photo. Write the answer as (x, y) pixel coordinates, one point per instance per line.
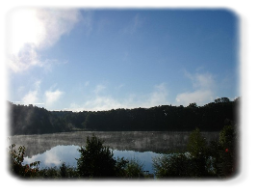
(29, 119)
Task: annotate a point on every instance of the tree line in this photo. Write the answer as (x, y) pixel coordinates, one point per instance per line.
(210, 117)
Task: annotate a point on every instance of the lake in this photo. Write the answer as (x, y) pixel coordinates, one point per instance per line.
(54, 149)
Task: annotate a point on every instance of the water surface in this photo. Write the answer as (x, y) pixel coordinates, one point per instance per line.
(68, 154)
(54, 149)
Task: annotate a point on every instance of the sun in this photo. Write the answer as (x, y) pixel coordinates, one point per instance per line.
(25, 27)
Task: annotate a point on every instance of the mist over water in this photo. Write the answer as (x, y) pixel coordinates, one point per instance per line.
(54, 149)
(68, 154)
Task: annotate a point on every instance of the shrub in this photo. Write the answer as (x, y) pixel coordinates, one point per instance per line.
(17, 166)
(96, 160)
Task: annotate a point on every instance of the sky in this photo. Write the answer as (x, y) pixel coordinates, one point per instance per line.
(102, 59)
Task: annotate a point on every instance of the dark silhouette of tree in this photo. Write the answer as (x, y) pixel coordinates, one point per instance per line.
(222, 100)
(63, 170)
(176, 165)
(96, 160)
(133, 169)
(210, 117)
(196, 143)
(227, 160)
(194, 105)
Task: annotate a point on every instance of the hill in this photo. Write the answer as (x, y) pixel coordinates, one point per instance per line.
(210, 117)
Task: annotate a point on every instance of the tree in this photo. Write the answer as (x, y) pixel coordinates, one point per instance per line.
(134, 169)
(172, 165)
(67, 171)
(196, 143)
(63, 170)
(227, 165)
(96, 160)
(222, 100)
(198, 149)
(194, 105)
(18, 167)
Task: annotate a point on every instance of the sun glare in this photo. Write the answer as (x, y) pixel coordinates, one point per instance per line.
(25, 28)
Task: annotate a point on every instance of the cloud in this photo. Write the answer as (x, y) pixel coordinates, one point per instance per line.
(26, 58)
(159, 96)
(103, 102)
(198, 96)
(201, 80)
(32, 96)
(52, 96)
(204, 90)
(51, 158)
(32, 30)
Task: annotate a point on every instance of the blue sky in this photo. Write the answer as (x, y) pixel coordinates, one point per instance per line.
(101, 59)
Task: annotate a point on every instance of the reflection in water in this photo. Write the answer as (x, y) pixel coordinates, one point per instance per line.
(59, 154)
(144, 158)
(155, 141)
(53, 149)
(56, 156)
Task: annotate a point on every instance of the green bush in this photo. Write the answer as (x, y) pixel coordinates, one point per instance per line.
(227, 159)
(172, 165)
(96, 160)
(134, 169)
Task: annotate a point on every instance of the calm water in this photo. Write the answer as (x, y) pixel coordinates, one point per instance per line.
(59, 154)
(54, 149)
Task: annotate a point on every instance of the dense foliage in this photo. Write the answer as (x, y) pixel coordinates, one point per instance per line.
(219, 159)
(17, 167)
(33, 120)
(96, 160)
(210, 117)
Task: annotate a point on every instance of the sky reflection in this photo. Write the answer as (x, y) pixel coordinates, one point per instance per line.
(56, 156)
(144, 158)
(59, 154)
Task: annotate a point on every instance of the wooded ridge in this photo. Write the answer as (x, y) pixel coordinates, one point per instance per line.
(210, 117)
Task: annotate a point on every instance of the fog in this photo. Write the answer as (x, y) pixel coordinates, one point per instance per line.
(141, 141)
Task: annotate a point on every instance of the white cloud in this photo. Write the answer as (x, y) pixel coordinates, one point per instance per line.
(101, 102)
(31, 30)
(199, 96)
(159, 96)
(32, 96)
(52, 96)
(201, 80)
(26, 58)
(51, 158)
(204, 92)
